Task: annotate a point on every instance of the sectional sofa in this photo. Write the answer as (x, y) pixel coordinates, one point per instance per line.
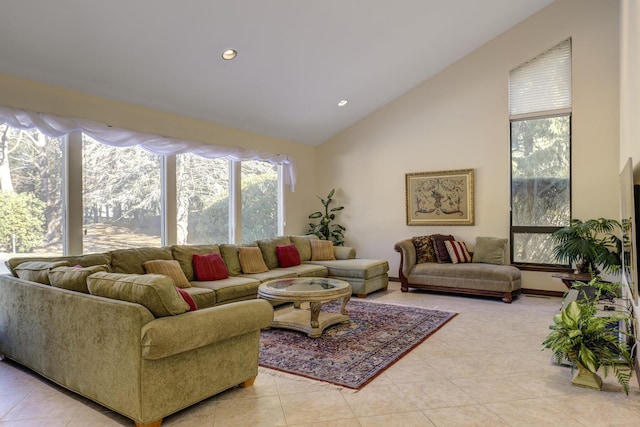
(107, 328)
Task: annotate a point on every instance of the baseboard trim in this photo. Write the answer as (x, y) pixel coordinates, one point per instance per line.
(542, 292)
(394, 279)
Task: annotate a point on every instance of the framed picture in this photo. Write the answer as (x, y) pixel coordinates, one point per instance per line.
(440, 198)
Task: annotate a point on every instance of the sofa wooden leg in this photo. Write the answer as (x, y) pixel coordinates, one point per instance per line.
(155, 423)
(507, 298)
(248, 383)
(361, 295)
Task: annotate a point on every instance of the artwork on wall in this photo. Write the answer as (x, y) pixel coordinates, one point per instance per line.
(440, 198)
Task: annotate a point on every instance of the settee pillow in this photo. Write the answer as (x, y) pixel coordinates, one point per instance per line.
(303, 245)
(457, 251)
(38, 271)
(154, 291)
(251, 260)
(74, 278)
(209, 267)
(268, 249)
(288, 256)
(441, 250)
(188, 299)
(490, 250)
(169, 268)
(322, 250)
(425, 252)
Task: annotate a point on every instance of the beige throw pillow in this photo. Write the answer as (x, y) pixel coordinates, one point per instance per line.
(490, 250)
(322, 250)
(251, 260)
(169, 268)
(154, 291)
(74, 278)
(37, 271)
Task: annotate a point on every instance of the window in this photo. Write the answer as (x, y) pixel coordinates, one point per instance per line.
(121, 197)
(259, 200)
(203, 199)
(540, 121)
(31, 183)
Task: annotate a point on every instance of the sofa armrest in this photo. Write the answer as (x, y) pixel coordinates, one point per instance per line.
(344, 252)
(407, 256)
(170, 335)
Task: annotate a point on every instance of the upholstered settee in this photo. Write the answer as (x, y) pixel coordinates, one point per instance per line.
(147, 332)
(481, 272)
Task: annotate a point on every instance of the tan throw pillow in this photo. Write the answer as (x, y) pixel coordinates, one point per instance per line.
(74, 278)
(322, 250)
(251, 260)
(38, 271)
(169, 268)
(154, 291)
(457, 251)
(490, 250)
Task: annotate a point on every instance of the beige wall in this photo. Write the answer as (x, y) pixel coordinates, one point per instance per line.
(459, 119)
(30, 95)
(630, 102)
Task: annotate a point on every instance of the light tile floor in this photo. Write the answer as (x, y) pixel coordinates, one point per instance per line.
(484, 368)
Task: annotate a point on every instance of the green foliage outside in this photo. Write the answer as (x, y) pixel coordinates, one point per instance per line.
(22, 224)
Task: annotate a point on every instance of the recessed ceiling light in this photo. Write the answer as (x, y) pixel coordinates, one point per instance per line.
(342, 103)
(229, 54)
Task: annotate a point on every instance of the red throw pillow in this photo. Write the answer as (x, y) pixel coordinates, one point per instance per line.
(187, 298)
(288, 256)
(209, 267)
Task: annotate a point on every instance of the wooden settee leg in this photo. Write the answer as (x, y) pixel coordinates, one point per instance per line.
(361, 295)
(507, 298)
(248, 383)
(155, 423)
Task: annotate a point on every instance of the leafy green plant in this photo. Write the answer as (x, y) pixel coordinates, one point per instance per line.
(585, 338)
(324, 229)
(589, 244)
(21, 221)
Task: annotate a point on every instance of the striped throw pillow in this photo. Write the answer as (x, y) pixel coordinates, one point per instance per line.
(457, 251)
(322, 250)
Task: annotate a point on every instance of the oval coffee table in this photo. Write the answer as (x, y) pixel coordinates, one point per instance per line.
(315, 291)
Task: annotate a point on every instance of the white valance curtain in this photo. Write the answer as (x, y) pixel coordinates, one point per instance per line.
(57, 126)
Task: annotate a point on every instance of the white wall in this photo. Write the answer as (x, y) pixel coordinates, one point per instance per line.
(25, 94)
(459, 119)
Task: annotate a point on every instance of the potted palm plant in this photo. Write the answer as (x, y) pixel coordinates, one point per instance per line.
(589, 340)
(590, 245)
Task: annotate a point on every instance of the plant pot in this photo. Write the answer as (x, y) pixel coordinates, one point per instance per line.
(585, 378)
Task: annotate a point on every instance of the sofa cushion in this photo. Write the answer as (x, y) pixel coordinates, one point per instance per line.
(490, 250)
(154, 291)
(251, 260)
(209, 267)
(83, 260)
(441, 250)
(184, 255)
(38, 271)
(425, 251)
(74, 278)
(231, 289)
(457, 251)
(130, 260)
(188, 299)
(322, 250)
(359, 268)
(268, 249)
(288, 256)
(303, 243)
(203, 297)
(169, 268)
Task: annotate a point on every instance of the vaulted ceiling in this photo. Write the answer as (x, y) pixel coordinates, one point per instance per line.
(296, 58)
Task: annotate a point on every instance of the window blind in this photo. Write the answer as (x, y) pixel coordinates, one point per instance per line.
(543, 83)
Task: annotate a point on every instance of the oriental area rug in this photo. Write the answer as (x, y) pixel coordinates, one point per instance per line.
(351, 355)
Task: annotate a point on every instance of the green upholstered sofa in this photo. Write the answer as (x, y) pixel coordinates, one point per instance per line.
(147, 360)
(489, 277)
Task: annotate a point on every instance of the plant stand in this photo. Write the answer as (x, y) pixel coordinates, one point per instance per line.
(585, 378)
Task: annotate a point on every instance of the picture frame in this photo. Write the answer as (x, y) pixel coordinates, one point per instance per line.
(440, 198)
